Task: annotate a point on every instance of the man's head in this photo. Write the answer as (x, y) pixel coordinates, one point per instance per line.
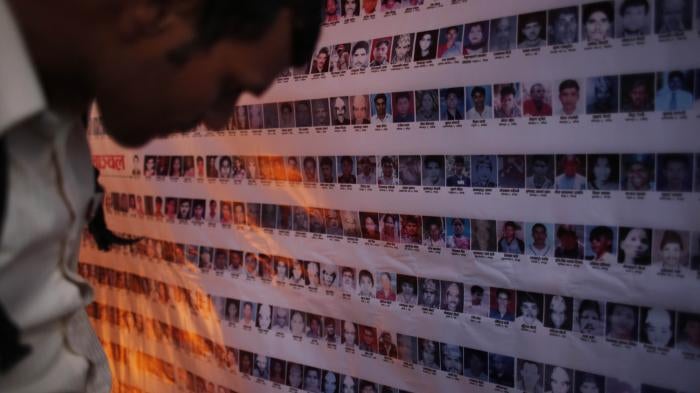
(633, 14)
(380, 105)
(360, 55)
(507, 97)
(179, 62)
(380, 53)
(340, 109)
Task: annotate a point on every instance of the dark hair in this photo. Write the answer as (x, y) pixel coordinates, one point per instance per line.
(360, 45)
(604, 7)
(589, 305)
(600, 231)
(453, 91)
(539, 225)
(476, 289)
(640, 260)
(676, 74)
(387, 160)
(569, 84)
(671, 237)
(325, 161)
(478, 89)
(382, 42)
(634, 3)
(378, 96)
(345, 159)
(365, 273)
(311, 159)
(436, 159)
(218, 19)
(512, 225)
(225, 158)
(507, 90)
(403, 94)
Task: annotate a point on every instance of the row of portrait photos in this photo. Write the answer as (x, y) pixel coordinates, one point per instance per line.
(595, 23)
(655, 327)
(668, 92)
(672, 250)
(473, 363)
(664, 172)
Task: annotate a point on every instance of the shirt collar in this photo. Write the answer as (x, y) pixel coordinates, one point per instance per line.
(21, 95)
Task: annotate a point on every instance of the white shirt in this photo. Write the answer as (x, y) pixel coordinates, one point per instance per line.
(472, 114)
(386, 120)
(49, 191)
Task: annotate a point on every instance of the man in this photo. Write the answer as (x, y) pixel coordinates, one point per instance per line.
(536, 105)
(380, 110)
(403, 112)
(360, 110)
(676, 95)
(509, 105)
(347, 169)
(380, 53)
(601, 239)
(359, 55)
(340, 115)
(434, 171)
(509, 242)
(320, 112)
(500, 308)
(459, 177)
(198, 214)
(532, 30)
(369, 6)
(302, 112)
(453, 104)
(529, 308)
(675, 171)
(368, 339)
(590, 318)
(501, 370)
(476, 304)
(330, 382)
(570, 179)
(529, 377)
(541, 172)
(451, 358)
(312, 380)
(638, 95)
(452, 297)
(450, 43)
(689, 329)
(327, 169)
(320, 63)
(569, 95)
(479, 110)
(350, 334)
(407, 290)
(604, 97)
(539, 245)
(638, 172)
(634, 18)
(430, 293)
(475, 364)
(331, 11)
(386, 346)
(563, 26)
(673, 16)
(184, 209)
(388, 172)
(568, 244)
(367, 167)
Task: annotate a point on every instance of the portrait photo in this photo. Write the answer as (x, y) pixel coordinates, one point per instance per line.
(452, 295)
(426, 45)
(407, 348)
(321, 61)
(587, 382)
(381, 52)
(589, 317)
(670, 250)
(673, 16)
(558, 379)
(558, 312)
(411, 229)
(657, 327)
(380, 107)
(483, 235)
(602, 95)
(539, 239)
(433, 231)
(674, 90)
(501, 368)
(622, 322)
(674, 172)
(563, 26)
(484, 171)
(452, 104)
(458, 233)
(601, 244)
(321, 112)
(511, 171)
(537, 99)
(360, 109)
(476, 364)
(340, 114)
(340, 58)
(507, 100)
(427, 105)
(302, 112)
(638, 172)
(688, 334)
(286, 115)
(539, 172)
(346, 170)
(389, 227)
(402, 49)
(598, 20)
(633, 18)
(326, 169)
(532, 30)
(502, 304)
(370, 226)
(603, 172)
(450, 42)
(255, 116)
(530, 309)
(270, 115)
(410, 170)
(569, 241)
(404, 111)
(351, 223)
(637, 92)
(433, 168)
(386, 286)
(407, 287)
(429, 353)
(479, 102)
(359, 54)
(476, 38)
(366, 170)
(570, 172)
(503, 34)
(635, 246)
